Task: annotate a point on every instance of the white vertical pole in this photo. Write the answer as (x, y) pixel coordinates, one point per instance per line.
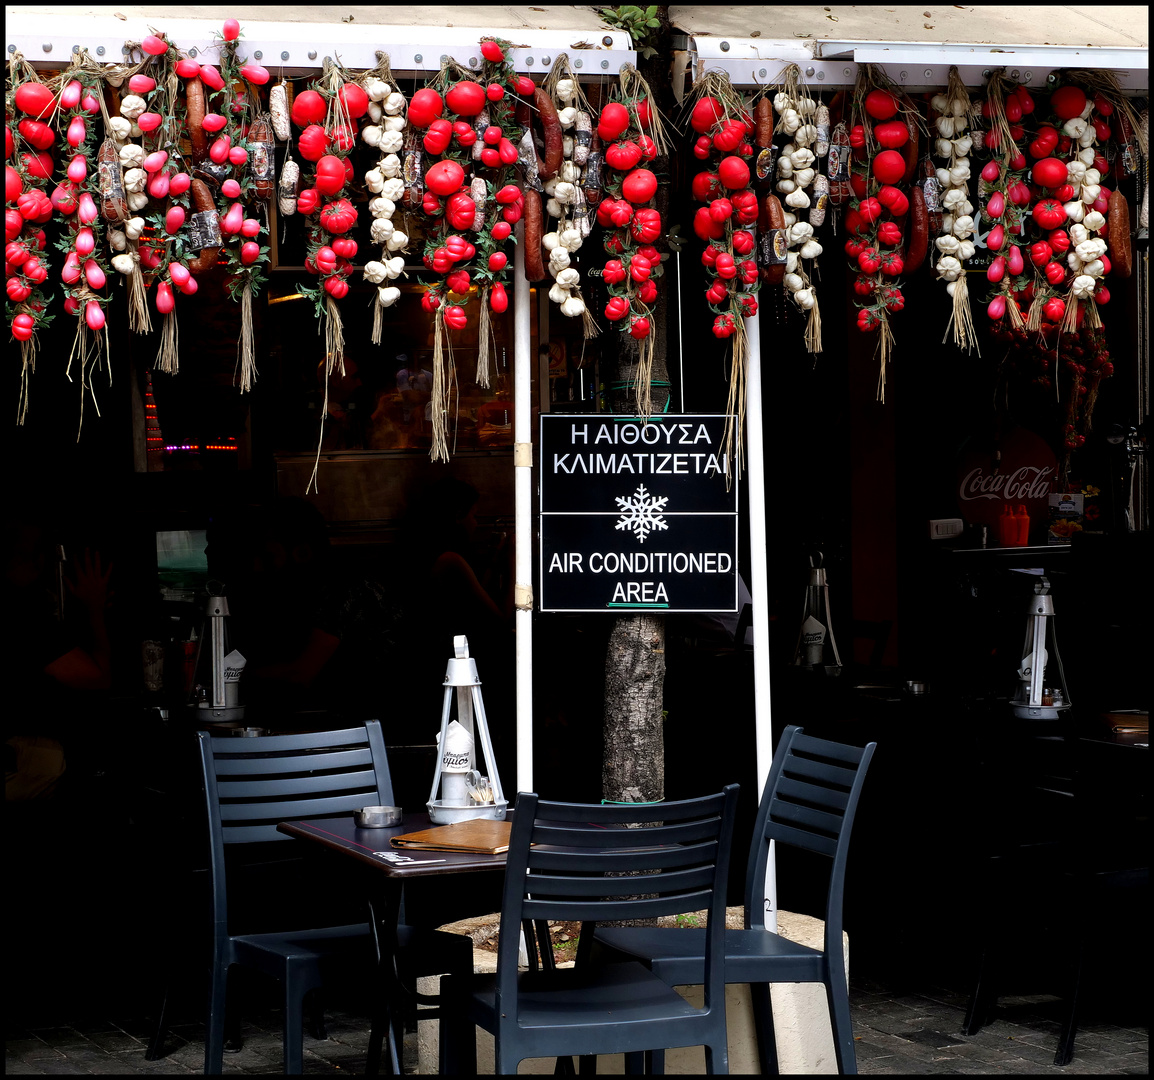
(759, 589)
(523, 359)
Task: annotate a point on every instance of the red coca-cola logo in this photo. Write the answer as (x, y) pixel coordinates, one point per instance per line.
(1019, 469)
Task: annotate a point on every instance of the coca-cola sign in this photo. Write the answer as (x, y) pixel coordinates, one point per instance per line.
(1028, 482)
(1018, 469)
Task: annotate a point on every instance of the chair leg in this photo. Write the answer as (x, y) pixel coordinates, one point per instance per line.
(155, 1049)
(295, 990)
(655, 1062)
(1065, 1053)
(214, 1036)
(762, 1002)
(716, 1059)
(457, 1046)
(839, 1017)
(981, 999)
(315, 1015)
(636, 1064)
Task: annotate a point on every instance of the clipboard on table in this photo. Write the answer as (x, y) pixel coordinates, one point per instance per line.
(481, 836)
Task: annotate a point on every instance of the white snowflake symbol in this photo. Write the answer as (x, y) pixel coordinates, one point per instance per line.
(641, 513)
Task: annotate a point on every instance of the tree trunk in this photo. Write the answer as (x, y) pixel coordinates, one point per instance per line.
(633, 768)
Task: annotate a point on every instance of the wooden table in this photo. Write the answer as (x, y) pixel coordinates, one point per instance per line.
(384, 882)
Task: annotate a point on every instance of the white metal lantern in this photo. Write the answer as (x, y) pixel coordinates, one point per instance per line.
(464, 792)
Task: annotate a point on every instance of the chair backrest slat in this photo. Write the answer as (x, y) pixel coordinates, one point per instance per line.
(569, 836)
(642, 907)
(284, 788)
(821, 772)
(609, 885)
(622, 860)
(797, 815)
(314, 761)
(834, 799)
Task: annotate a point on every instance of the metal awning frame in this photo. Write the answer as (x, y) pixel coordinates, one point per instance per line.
(296, 50)
(915, 66)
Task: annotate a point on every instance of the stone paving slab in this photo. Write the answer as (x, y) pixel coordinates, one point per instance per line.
(902, 1033)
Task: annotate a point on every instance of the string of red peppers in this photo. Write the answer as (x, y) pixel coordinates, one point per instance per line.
(27, 173)
(84, 272)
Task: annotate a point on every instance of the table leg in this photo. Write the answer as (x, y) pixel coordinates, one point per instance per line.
(389, 1010)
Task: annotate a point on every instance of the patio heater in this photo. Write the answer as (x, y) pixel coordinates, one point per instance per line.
(816, 649)
(219, 678)
(1042, 692)
(465, 793)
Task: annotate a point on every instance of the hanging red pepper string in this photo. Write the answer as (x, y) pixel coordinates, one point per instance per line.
(27, 208)
(85, 270)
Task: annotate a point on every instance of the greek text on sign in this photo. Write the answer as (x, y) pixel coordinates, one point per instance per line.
(637, 514)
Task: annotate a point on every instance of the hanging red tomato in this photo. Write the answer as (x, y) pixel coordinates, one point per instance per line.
(313, 142)
(614, 121)
(426, 105)
(465, 98)
(889, 166)
(892, 134)
(1049, 213)
(1067, 102)
(338, 216)
(438, 136)
(498, 298)
(706, 112)
(734, 172)
(640, 185)
(455, 317)
(617, 308)
(445, 177)
(35, 99)
(461, 211)
(354, 99)
(881, 104)
(308, 108)
(1049, 172)
(705, 227)
(622, 155)
(330, 175)
(38, 134)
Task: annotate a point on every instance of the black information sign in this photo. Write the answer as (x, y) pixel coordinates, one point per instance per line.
(636, 514)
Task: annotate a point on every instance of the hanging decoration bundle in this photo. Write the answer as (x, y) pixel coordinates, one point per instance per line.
(887, 215)
(244, 196)
(1005, 198)
(567, 202)
(633, 135)
(805, 191)
(28, 207)
(470, 142)
(84, 271)
(327, 113)
(951, 116)
(726, 222)
(385, 133)
(1077, 233)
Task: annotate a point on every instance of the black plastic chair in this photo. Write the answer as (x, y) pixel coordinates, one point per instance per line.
(252, 784)
(809, 802)
(1071, 850)
(580, 862)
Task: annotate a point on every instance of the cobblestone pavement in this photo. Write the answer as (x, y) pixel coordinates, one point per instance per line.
(904, 1033)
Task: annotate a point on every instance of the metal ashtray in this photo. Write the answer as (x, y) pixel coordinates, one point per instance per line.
(377, 817)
